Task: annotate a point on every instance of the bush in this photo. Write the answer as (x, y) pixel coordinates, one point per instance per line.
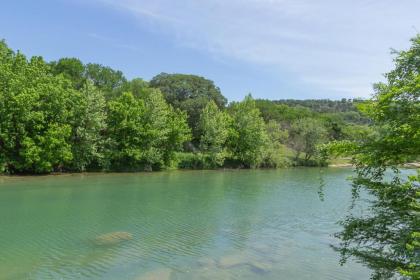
(275, 159)
(316, 162)
(195, 161)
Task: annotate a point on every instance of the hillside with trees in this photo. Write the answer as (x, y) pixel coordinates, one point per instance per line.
(68, 116)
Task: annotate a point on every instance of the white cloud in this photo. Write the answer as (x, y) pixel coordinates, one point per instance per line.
(337, 46)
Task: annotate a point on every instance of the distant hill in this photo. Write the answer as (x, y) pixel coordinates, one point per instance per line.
(323, 105)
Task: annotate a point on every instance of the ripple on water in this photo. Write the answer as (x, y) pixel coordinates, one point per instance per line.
(193, 225)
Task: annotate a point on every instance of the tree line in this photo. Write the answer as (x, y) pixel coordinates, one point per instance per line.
(65, 115)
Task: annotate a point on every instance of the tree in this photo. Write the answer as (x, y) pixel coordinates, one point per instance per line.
(125, 130)
(166, 130)
(144, 132)
(106, 79)
(215, 127)
(334, 126)
(274, 148)
(88, 141)
(276, 133)
(136, 86)
(72, 69)
(189, 93)
(36, 109)
(249, 136)
(305, 135)
(388, 239)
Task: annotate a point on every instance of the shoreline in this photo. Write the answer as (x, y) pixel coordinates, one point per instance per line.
(162, 171)
(410, 165)
(341, 165)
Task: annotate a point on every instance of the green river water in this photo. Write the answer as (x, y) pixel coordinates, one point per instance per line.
(248, 224)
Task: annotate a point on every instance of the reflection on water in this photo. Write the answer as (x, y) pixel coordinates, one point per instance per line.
(264, 224)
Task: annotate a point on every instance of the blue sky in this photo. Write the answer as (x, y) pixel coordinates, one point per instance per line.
(273, 49)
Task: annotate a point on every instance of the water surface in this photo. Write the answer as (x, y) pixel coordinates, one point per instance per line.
(258, 224)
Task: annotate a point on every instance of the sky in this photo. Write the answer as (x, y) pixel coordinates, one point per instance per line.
(273, 49)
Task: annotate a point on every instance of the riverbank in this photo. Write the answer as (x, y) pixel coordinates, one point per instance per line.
(335, 164)
(412, 165)
(341, 165)
(69, 173)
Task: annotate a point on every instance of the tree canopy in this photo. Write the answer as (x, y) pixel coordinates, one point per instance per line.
(36, 110)
(249, 135)
(215, 129)
(68, 116)
(189, 93)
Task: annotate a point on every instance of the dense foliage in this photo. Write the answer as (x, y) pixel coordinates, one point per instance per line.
(189, 93)
(215, 129)
(144, 132)
(69, 116)
(36, 110)
(249, 136)
(388, 238)
(323, 105)
(305, 135)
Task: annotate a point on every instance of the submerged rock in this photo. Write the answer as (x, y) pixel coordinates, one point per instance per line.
(113, 238)
(232, 260)
(159, 274)
(206, 262)
(260, 267)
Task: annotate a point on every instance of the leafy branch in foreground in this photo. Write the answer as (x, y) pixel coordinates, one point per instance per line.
(387, 238)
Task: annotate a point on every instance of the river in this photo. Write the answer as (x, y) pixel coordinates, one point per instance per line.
(246, 224)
